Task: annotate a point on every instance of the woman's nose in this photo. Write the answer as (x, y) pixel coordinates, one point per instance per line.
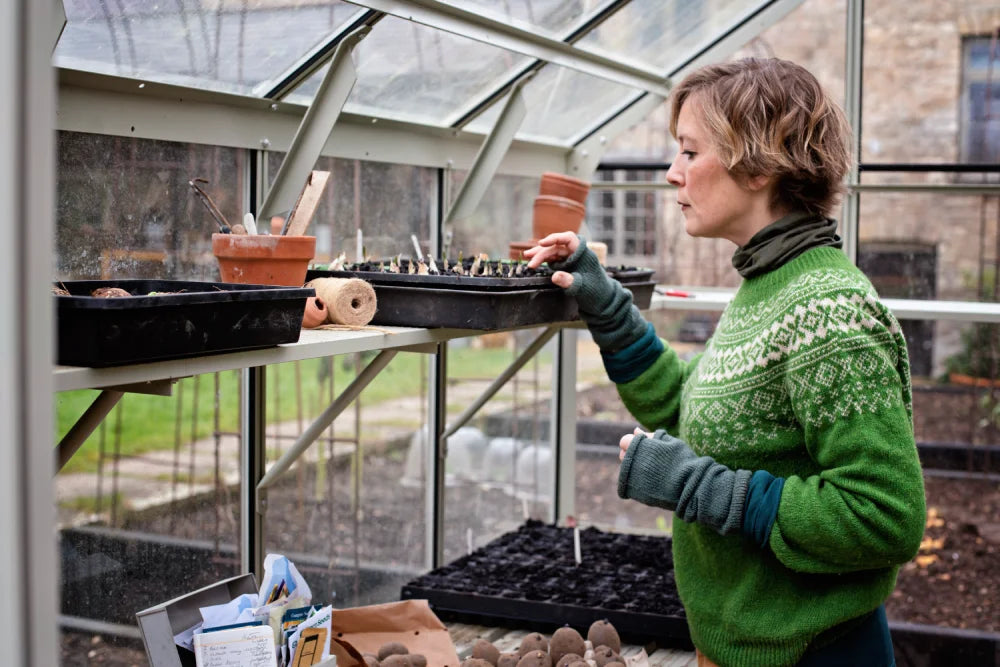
(674, 176)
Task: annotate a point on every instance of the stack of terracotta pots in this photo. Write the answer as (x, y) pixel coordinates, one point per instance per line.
(560, 204)
(559, 207)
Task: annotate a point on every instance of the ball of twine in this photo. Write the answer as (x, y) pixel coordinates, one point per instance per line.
(349, 301)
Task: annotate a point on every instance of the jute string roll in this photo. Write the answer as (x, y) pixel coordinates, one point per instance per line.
(348, 301)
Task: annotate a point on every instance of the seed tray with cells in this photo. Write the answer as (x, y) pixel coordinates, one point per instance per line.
(530, 578)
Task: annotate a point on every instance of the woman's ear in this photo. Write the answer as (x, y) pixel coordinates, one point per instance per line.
(758, 183)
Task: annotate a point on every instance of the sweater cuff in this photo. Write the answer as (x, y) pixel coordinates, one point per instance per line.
(632, 361)
(763, 499)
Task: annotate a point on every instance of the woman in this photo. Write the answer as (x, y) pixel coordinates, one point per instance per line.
(786, 449)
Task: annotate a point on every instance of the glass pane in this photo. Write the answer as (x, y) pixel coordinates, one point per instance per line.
(921, 96)
(630, 222)
(561, 103)
(229, 47)
(929, 245)
(602, 419)
(663, 34)
(387, 202)
(350, 510)
(411, 72)
(148, 509)
(548, 17)
(819, 23)
(503, 216)
(131, 213)
(500, 464)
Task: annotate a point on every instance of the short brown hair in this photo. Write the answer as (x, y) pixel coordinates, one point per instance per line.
(771, 117)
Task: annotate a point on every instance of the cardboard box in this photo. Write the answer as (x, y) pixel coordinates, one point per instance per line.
(160, 623)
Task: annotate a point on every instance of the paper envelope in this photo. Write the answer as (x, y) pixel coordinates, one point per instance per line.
(410, 622)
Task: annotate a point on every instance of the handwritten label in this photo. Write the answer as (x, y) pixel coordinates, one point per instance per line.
(239, 647)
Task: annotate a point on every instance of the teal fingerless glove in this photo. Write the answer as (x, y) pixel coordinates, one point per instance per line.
(605, 306)
(663, 471)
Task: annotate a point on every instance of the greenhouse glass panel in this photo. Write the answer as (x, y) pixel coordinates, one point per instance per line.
(561, 103)
(928, 84)
(551, 18)
(930, 246)
(229, 47)
(350, 509)
(149, 506)
(503, 216)
(500, 466)
(663, 34)
(387, 202)
(132, 214)
(407, 71)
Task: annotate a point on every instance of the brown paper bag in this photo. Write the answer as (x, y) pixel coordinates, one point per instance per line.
(410, 622)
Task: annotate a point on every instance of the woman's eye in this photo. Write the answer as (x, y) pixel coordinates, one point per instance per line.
(688, 154)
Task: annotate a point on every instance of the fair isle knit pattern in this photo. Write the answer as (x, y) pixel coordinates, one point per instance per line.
(825, 331)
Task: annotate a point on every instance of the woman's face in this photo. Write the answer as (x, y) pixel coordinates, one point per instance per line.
(714, 204)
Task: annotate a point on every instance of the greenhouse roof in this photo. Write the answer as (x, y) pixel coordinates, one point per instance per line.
(443, 65)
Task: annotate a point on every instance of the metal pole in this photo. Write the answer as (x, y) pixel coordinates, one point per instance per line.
(852, 107)
(252, 461)
(324, 420)
(495, 386)
(90, 420)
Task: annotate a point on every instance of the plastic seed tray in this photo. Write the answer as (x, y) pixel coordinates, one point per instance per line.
(485, 302)
(529, 578)
(172, 319)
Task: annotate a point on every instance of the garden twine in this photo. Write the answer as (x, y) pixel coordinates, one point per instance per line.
(349, 301)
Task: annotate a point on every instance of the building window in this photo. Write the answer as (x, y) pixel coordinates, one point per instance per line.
(624, 219)
(980, 100)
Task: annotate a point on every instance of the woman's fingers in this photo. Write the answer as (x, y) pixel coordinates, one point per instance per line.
(623, 445)
(553, 247)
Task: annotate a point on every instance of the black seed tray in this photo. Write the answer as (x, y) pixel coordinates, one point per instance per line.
(485, 310)
(529, 578)
(197, 318)
(479, 302)
(540, 278)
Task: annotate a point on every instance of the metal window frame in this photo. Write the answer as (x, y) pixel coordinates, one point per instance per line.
(27, 188)
(472, 110)
(119, 106)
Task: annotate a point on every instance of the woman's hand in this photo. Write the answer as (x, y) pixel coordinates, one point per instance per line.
(626, 440)
(554, 248)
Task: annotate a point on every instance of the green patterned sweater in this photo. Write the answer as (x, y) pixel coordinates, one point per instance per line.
(807, 378)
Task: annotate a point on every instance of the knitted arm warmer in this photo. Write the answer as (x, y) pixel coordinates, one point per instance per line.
(605, 306)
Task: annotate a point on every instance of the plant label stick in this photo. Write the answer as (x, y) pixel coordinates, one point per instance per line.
(576, 545)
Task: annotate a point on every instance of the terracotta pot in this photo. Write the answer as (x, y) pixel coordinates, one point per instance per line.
(314, 314)
(517, 248)
(556, 214)
(561, 185)
(260, 259)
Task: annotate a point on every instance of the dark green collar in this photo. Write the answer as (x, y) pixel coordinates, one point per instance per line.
(784, 240)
